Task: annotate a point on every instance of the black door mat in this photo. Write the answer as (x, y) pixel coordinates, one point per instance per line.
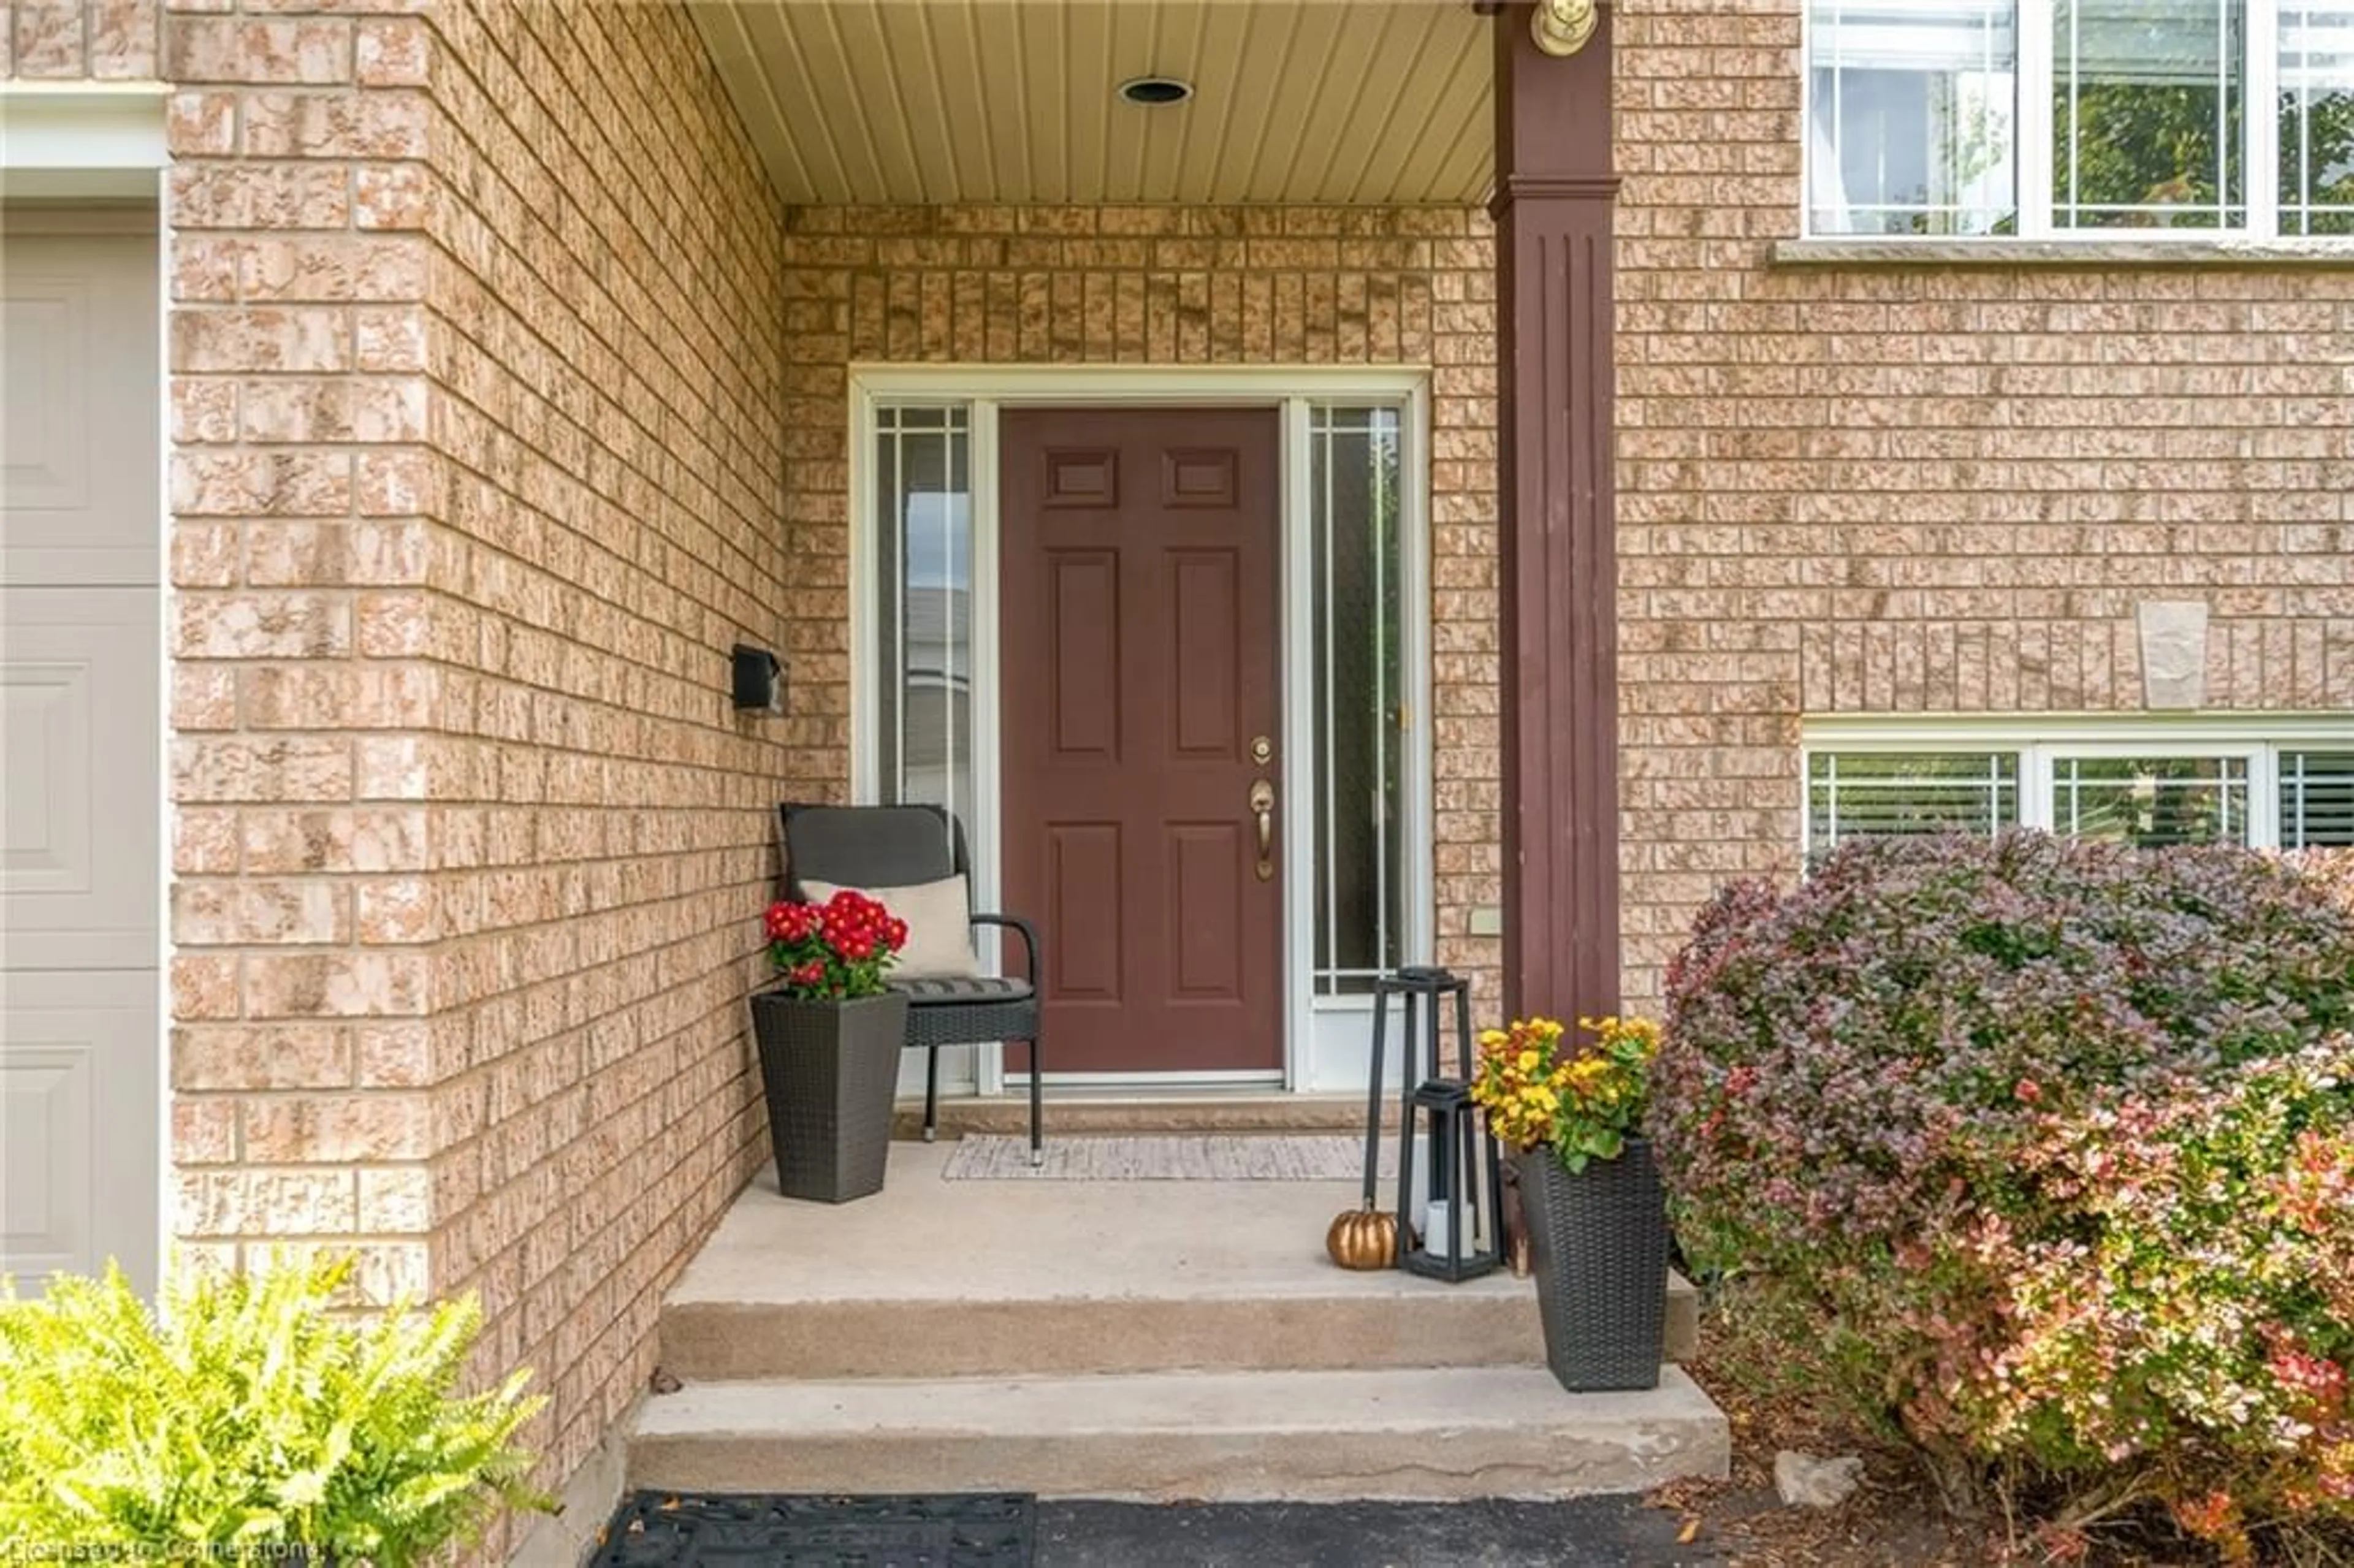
(943, 1530)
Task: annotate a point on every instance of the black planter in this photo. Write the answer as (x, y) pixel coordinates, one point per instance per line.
(1599, 1244)
(831, 1071)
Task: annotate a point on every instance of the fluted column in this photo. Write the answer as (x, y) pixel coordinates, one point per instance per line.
(1554, 195)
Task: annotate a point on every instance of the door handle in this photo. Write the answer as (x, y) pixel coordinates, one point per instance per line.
(1262, 802)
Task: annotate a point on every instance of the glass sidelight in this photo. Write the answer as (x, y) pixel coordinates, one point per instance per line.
(1360, 715)
(923, 495)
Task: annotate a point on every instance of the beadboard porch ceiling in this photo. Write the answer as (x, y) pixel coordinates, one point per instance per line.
(1370, 101)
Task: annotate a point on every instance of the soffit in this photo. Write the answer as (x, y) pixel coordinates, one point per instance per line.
(1370, 101)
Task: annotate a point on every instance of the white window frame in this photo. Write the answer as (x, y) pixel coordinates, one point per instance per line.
(2258, 739)
(2260, 84)
(1326, 1040)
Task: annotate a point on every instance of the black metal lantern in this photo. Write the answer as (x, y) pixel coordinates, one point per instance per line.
(1463, 1223)
(1461, 1236)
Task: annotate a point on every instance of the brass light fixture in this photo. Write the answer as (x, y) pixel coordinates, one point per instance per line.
(1563, 27)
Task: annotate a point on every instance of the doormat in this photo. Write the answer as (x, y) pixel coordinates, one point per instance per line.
(944, 1529)
(1189, 1157)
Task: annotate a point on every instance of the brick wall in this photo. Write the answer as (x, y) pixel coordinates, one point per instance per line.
(1166, 285)
(1924, 489)
(61, 40)
(481, 431)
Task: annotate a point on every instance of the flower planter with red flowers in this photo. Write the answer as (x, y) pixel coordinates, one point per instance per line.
(830, 1036)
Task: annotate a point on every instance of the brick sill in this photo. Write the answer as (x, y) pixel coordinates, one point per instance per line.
(2063, 253)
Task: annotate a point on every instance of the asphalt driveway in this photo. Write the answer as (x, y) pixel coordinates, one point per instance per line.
(1597, 1532)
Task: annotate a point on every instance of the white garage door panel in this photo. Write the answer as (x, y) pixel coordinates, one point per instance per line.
(77, 326)
(79, 744)
(79, 1100)
(81, 1047)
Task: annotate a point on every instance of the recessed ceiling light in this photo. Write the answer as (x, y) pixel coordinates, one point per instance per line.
(1150, 90)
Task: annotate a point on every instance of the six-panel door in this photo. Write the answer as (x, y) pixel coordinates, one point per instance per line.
(1139, 641)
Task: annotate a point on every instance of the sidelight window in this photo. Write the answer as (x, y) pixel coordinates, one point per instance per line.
(923, 494)
(1356, 648)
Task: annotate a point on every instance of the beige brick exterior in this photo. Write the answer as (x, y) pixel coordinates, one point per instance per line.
(67, 40)
(505, 398)
(1923, 489)
(480, 437)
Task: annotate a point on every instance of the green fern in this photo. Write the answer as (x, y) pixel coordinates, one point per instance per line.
(245, 1412)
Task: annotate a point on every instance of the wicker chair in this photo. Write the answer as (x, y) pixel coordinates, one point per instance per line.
(900, 846)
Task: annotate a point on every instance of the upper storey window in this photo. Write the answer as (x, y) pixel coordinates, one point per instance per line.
(2047, 119)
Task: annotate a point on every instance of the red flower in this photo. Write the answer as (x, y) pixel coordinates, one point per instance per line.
(840, 947)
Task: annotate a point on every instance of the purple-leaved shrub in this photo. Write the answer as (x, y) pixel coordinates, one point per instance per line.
(1894, 1098)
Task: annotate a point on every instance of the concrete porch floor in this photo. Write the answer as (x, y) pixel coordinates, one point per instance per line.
(1123, 1340)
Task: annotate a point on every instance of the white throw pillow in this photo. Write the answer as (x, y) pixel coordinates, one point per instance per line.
(939, 937)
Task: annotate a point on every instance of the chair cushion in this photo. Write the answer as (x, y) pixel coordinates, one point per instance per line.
(939, 925)
(934, 990)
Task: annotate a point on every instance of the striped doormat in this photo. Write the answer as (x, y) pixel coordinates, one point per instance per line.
(1190, 1156)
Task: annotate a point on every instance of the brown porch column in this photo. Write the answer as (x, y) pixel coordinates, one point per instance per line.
(1555, 193)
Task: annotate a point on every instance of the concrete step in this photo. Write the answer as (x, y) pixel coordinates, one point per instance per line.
(935, 1278)
(1505, 1431)
(1390, 1319)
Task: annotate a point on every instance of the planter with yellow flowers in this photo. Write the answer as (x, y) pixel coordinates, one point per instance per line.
(1571, 1109)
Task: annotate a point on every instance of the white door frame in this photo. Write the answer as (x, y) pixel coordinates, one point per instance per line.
(1330, 1057)
(100, 141)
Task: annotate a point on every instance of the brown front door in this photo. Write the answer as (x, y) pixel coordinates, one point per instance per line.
(1139, 645)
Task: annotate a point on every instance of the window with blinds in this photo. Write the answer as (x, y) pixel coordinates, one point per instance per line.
(1885, 794)
(2197, 784)
(2151, 801)
(2317, 799)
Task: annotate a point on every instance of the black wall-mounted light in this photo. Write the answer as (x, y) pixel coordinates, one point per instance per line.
(759, 680)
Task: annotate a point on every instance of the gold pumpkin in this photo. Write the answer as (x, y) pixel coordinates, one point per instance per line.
(1363, 1238)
